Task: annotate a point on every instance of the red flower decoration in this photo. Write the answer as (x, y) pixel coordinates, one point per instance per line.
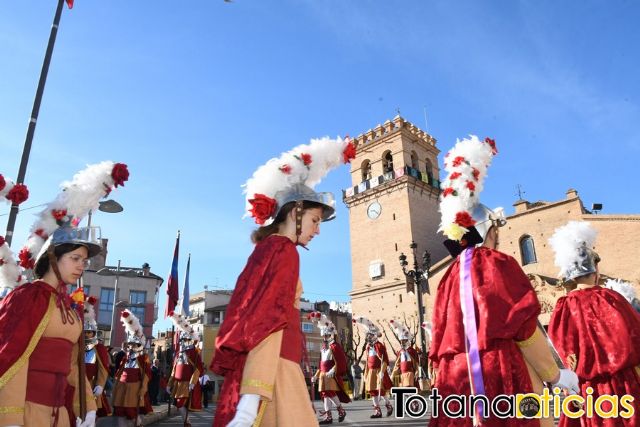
(1, 262)
(25, 258)
(40, 232)
(349, 152)
(458, 161)
(476, 174)
(18, 194)
(285, 169)
(3, 183)
(262, 207)
(120, 174)
(463, 219)
(306, 159)
(492, 143)
(448, 191)
(92, 300)
(58, 214)
(471, 186)
(1, 240)
(125, 314)
(454, 175)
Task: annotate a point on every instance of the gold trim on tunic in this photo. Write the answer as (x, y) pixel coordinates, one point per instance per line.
(258, 384)
(529, 341)
(11, 410)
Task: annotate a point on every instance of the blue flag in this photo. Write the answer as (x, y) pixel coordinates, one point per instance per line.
(185, 291)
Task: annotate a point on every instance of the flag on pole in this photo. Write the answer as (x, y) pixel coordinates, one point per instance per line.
(172, 282)
(185, 291)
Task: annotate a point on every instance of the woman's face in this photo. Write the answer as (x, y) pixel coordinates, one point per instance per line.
(72, 264)
(311, 219)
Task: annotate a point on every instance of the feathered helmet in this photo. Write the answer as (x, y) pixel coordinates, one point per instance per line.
(322, 321)
(133, 328)
(367, 326)
(465, 221)
(90, 323)
(625, 289)
(428, 330)
(293, 176)
(401, 331)
(186, 331)
(58, 222)
(572, 244)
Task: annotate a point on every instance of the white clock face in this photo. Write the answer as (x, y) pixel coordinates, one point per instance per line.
(374, 210)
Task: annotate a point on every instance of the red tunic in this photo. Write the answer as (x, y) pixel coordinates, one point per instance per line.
(183, 373)
(262, 303)
(375, 362)
(506, 309)
(340, 359)
(602, 330)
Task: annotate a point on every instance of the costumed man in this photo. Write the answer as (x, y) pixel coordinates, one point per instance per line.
(96, 358)
(407, 360)
(333, 367)
(130, 397)
(485, 338)
(376, 378)
(596, 330)
(184, 384)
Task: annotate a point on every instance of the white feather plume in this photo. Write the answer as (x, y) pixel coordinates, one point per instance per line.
(10, 272)
(132, 325)
(367, 326)
(183, 325)
(401, 331)
(566, 242)
(626, 289)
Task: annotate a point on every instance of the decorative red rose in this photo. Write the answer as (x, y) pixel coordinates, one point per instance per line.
(262, 207)
(1, 262)
(125, 314)
(3, 183)
(458, 161)
(463, 219)
(40, 232)
(454, 175)
(18, 194)
(448, 191)
(25, 258)
(492, 143)
(92, 300)
(1, 240)
(285, 169)
(476, 174)
(306, 159)
(58, 214)
(471, 186)
(349, 152)
(120, 174)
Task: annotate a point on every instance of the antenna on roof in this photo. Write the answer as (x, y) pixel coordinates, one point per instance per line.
(521, 192)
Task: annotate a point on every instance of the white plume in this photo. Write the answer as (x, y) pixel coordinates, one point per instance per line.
(566, 242)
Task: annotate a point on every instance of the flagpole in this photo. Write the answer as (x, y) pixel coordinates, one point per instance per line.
(11, 223)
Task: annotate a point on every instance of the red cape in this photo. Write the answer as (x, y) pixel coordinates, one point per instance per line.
(381, 350)
(263, 295)
(506, 308)
(20, 315)
(341, 369)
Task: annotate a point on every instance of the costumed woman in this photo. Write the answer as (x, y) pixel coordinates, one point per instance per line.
(184, 384)
(333, 367)
(41, 338)
(596, 330)
(407, 363)
(96, 358)
(130, 392)
(260, 344)
(376, 377)
(485, 338)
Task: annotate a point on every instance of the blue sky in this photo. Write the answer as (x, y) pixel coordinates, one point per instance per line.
(194, 96)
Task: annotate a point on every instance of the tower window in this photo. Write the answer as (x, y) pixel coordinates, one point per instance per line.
(429, 168)
(414, 160)
(366, 170)
(387, 162)
(527, 250)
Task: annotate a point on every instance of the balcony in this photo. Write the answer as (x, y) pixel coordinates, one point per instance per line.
(369, 184)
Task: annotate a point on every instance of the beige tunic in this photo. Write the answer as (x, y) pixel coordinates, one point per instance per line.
(13, 394)
(280, 383)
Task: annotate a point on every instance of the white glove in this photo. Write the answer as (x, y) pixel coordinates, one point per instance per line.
(191, 387)
(314, 379)
(331, 373)
(568, 380)
(89, 420)
(246, 411)
(97, 391)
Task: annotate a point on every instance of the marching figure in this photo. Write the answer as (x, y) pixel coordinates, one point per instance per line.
(184, 384)
(260, 344)
(407, 361)
(595, 329)
(376, 378)
(333, 366)
(485, 339)
(130, 396)
(96, 358)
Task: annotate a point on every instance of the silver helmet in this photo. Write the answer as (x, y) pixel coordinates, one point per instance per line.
(300, 192)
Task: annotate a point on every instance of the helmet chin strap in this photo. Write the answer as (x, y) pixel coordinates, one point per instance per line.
(299, 213)
(53, 262)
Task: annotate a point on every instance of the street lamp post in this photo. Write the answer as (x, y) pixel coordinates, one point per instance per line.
(106, 271)
(109, 206)
(417, 277)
